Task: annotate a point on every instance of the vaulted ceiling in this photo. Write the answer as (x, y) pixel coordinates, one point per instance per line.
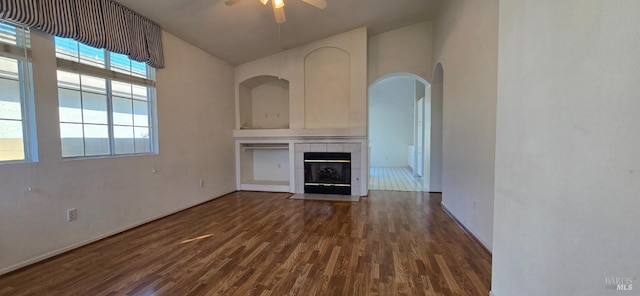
(247, 31)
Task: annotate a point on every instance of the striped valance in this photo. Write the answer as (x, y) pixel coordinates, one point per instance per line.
(98, 23)
(90, 23)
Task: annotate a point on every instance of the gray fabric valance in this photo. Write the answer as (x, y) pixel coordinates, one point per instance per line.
(98, 23)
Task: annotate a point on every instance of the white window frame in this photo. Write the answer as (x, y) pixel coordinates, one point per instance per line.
(21, 52)
(110, 75)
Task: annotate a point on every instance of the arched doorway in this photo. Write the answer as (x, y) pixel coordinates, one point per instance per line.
(399, 133)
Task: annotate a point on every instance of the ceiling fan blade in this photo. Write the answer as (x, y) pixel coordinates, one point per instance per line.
(279, 13)
(231, 2)
(322, 4)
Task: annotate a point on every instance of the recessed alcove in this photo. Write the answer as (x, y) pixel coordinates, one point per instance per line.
(264, 166)
(327, 88)
(264, 103)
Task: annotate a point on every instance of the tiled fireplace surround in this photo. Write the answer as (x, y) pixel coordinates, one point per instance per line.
(355, 148)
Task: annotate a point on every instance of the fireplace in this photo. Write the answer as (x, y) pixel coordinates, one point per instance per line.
(327, 172)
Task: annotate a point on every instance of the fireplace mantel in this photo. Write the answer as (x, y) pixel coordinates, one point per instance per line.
(295, 134)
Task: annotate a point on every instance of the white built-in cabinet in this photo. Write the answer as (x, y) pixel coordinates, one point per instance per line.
(264, 166)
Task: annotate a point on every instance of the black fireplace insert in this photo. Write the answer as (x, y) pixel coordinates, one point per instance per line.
(327, 172)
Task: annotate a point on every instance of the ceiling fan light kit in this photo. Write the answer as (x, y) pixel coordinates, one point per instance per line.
(278, 7)
(278, 3)
(278, 12)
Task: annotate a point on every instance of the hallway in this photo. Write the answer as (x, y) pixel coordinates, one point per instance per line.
(395, 179)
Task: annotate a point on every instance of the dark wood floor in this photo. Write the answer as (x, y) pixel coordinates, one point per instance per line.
(247, 243)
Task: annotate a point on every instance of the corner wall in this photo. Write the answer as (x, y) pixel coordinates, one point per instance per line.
(195, 120)
(465, 43)
(567, 162)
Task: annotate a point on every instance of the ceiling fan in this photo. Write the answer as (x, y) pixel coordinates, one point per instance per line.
(278, 7)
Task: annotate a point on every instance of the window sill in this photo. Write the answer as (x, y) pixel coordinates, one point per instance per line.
(24, 161)
(76, 158)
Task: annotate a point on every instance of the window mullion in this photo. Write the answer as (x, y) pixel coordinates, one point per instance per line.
(150, 126)
(23, 108)
(112, 140)
(107, 59)
(84, 139)
(23, 72)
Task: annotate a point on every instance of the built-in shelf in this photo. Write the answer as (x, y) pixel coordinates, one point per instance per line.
(269, 186)
(264, 167)
(268, 183)
(263, 103)
(262, 147)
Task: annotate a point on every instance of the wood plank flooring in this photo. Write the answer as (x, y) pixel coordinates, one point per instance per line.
(249, 243)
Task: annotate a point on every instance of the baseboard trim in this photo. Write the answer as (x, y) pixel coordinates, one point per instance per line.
(74, 246)
(482, 243)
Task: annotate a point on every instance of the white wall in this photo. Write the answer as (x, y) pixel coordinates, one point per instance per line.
(567, 162)
(391, 121)
(405, 50)
(465, 42)
(195, 118)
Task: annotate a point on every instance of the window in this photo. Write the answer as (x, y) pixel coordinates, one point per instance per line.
(106, 102)
(15, 119)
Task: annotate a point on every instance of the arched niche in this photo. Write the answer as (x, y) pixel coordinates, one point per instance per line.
(327, 81)
(264, 103)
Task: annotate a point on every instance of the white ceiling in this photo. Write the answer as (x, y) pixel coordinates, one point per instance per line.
(247, 30)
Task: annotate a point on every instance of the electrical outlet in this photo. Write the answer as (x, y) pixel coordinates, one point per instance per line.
(278, 165)
(72, 214)
(201, 182)
(474, 204)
